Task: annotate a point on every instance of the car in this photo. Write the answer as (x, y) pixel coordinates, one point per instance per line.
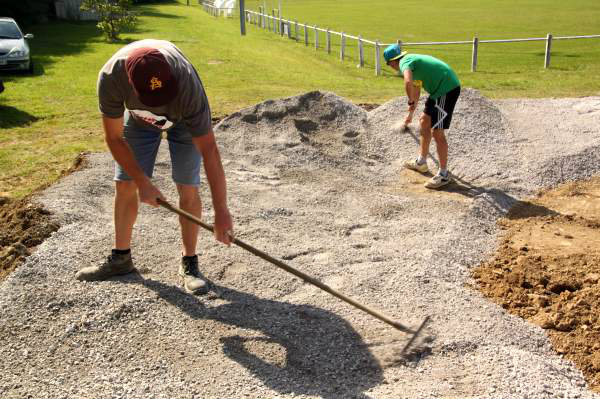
(14, 50)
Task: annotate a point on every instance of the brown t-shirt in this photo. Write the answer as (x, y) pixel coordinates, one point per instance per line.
(115, 93)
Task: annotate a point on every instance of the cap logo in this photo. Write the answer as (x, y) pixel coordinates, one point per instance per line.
(155, 83)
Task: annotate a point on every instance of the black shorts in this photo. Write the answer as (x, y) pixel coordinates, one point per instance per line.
(440, 110)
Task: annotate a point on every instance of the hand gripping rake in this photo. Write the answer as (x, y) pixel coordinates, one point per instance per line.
(305, 277)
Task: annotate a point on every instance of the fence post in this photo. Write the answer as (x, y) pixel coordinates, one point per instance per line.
(399, 43)
(305, 35)
(289, 28)
(377, 59)
(328, 40)
(342, 46)
(316, 38)
(296, 27)
(273, 21)
(279, 23)
(474, 58)
(548, 48)
(361, 54)
(242, 18)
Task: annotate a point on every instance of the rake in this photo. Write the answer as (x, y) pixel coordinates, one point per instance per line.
(304, 277)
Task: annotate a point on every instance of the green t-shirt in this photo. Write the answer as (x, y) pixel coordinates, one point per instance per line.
(434, 75)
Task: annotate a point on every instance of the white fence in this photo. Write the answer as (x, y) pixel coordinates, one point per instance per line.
(292, 29)
(218, 11)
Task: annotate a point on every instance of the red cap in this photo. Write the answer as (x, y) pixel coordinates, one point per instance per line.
(150, 75)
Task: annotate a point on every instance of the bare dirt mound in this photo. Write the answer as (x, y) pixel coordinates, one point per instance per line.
(23, 226)
(546, 270)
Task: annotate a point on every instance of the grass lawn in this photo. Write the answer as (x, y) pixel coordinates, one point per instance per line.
(48, 118)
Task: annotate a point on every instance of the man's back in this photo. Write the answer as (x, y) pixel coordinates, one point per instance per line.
(436, 76)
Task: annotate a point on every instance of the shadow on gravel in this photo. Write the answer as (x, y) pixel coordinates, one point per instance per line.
(501, 201)
(498, 199)
(324, 355)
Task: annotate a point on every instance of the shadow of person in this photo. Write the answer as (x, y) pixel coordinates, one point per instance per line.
(504, 203)
(13, 117)
(324, 355)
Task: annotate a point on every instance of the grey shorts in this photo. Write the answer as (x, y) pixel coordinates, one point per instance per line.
(144, 142)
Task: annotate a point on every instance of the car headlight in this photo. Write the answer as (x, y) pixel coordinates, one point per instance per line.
(17, 52)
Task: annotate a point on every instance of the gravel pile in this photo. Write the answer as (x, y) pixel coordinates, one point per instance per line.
(317, 182)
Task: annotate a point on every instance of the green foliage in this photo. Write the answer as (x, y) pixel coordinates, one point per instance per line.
(114, 16)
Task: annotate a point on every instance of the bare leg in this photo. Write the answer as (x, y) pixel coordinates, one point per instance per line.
(125, 213)
(425, 135)
(189, 201)
(442, 147)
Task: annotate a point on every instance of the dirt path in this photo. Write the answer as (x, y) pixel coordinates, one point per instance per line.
(317, 182)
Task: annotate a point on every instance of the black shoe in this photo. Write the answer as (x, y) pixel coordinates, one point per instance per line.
(192, 279)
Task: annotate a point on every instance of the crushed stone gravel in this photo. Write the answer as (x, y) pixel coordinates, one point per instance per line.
(318, 182)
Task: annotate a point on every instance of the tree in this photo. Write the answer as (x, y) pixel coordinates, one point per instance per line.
(114, 16)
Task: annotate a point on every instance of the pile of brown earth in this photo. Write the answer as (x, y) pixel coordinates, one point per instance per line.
(546, 270)
(23, 226)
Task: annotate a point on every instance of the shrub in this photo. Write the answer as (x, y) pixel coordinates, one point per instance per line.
(113, 16)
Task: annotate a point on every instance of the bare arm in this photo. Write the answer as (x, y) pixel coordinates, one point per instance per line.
(113, 135)
(213, 167)
(413, 92)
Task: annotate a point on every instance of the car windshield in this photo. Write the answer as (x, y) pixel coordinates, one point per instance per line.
(9, 30)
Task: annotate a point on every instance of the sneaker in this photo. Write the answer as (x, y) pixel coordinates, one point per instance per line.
(414, 165)
(114, 265)
(438, 181)
(192, 279)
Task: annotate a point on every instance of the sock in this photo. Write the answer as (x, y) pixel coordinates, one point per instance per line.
(121, 251)
(421, 160)
(444, 172)
(190, 257)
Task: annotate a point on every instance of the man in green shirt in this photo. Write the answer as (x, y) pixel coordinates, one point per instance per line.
(442, 84)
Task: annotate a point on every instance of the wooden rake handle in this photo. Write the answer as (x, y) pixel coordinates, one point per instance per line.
(299, 274)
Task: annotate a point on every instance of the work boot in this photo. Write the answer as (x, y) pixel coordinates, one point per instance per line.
(114, 265)
(192, 279)
(414, 165)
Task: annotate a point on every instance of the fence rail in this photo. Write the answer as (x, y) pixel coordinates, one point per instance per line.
(279, 25)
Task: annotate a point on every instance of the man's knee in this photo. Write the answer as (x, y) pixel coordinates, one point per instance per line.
(425, 122)
(126, 187)
(188, 195)
(439, 136)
